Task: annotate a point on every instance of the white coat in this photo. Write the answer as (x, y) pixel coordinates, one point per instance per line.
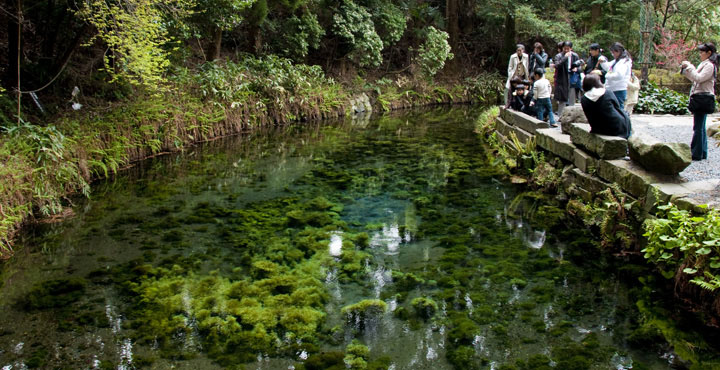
(512, 66)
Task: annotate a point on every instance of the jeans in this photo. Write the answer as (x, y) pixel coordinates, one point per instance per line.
(543, 105)
(621, 97)
(698, 145)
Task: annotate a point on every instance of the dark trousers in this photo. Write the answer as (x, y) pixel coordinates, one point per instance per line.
(698, 145)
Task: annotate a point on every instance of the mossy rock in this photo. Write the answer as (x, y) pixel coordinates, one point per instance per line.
(55, 293)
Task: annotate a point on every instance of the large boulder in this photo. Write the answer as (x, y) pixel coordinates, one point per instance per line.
(602, 146)
(713, 129)
(659, 157)
(570, 115)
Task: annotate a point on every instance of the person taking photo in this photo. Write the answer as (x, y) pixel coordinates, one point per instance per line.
(702, 95)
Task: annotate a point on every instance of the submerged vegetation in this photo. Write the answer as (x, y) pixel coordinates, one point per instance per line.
(332, 248)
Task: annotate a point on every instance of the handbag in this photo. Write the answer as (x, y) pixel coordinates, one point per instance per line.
(703, 103)
(575, 80)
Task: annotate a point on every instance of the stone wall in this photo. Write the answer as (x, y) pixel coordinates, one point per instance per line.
(593, 162)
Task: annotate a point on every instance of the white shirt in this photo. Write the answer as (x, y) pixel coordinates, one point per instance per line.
(541, 89)
(618, 75)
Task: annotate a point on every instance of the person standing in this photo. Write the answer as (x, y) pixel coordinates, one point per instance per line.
(633, 94)
(595, 62)
(565, 66)
(702, 95)
(541, 96)
(517, 67)
(538, 59)
(619, 71)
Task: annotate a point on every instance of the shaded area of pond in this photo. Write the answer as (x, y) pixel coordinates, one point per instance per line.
(382, 244)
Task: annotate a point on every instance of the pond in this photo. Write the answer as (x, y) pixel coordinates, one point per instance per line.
(388, 243)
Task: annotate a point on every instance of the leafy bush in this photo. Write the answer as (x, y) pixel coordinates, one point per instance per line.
(486, 87)
(656, 100)
(354, 24)
(676, 237)
(391, 23)
(306, 34)
(434, 52)
(271, 75)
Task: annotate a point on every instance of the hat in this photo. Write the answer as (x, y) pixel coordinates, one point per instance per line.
(520, 86)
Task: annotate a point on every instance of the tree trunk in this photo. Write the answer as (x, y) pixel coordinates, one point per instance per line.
(12, 32)
(595, 13)
(215, 45)
(453, 30)
(509, 42)
(453, 25)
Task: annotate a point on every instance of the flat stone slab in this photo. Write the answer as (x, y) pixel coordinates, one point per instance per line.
(524, 121)
(506, 129)
(630, 176)
(687, 195)
(584, 161)
(604, 147)
(556, 142)
(656, 156)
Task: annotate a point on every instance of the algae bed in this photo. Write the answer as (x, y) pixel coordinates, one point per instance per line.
(364, 244)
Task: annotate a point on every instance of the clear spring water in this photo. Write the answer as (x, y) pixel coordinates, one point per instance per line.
(247, 251)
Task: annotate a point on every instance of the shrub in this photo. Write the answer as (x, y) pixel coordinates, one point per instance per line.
(434, 52)
(354, 24)
(676, 237)
(657, 100)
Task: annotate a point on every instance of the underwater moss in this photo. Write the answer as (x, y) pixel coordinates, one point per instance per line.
(55, 293)
(425, 308)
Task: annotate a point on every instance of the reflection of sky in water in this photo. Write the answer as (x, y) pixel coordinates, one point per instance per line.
(335, 245)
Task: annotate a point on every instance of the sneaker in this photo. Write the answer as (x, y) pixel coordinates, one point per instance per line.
(553, 125)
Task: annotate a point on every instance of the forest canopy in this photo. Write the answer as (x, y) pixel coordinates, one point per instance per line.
(138, 43)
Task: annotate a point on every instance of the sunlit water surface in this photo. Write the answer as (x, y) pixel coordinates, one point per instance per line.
(418, 184)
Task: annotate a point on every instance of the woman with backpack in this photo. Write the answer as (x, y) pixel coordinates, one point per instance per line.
(702, 95)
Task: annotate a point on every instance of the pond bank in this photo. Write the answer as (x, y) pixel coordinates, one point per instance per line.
(622, 202)
(46, 164)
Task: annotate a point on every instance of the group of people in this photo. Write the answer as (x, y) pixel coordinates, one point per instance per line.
(608, 90)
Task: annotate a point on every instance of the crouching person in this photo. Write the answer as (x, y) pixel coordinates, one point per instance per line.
(541, 97)
(602, 109)
(521, 100)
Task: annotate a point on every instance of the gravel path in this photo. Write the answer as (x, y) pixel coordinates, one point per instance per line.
(670, 129)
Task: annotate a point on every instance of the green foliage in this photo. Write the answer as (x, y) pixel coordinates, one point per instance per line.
(136, 35)
(357, 356)
(390, 22)
(303, 33)
(485, 123)
(679, 238)
(486, 88)
(433, 53)
(611, 214)
(353, 23)
(655, 100)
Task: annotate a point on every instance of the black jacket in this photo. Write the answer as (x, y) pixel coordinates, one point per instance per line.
(592, 64)
(606, 116)
(562, 76)
(522, 103)
(537, 61)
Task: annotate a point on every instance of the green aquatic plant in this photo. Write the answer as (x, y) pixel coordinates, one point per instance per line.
(425, 308)
(55, 293)
(357, 356)
(364, 310)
